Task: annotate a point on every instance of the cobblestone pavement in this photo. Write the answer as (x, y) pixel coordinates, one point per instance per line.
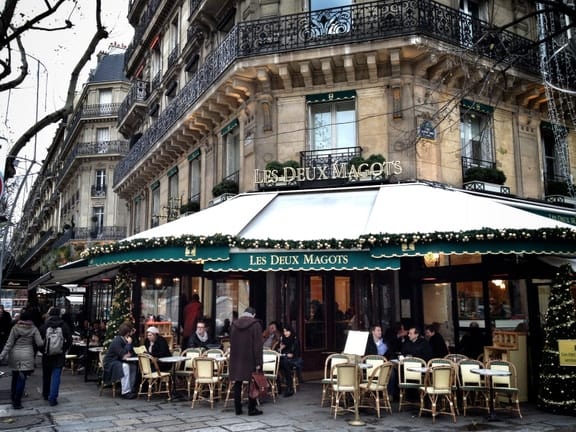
(81, 408)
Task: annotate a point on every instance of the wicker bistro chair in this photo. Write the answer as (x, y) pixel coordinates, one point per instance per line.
(374, 361)
(455, 358)
(376, 388)
(207, 378)
(270, 367)
(330, 362)
(472, 386)
(438, 387)
(446, 362)
(186, 372)
(505, 386)
(152, 377)
(104, 385)
(345, 382)
(409, 380)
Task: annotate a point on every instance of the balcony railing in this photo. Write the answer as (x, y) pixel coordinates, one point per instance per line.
(98, 191)
(139, 92)
(326, 160)
(357, 23)
(468, 162)
(102, 233)
(93, 111)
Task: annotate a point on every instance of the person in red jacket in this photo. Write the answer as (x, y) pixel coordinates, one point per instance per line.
(192, 313)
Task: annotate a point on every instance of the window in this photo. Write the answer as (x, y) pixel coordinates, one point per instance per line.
(137, 223)
(155, 210)
(173, 197)
(100, 185)
(476, 133)
(155, 66)
(332, 124)
(194, 180)
(467, 33)
(105, 101)
(330, 22)
(231, 153)
(102, 140)
(97, 221)
(552, 166)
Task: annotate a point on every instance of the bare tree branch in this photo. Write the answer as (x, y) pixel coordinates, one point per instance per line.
(63, 112)
(23, 69)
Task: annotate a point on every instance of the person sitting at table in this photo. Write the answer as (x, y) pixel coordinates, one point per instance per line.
(157, 346)
(375, 345)
(200, 338)
(290, 359)
(436, 341)
(416, 345)
(116, 368)
(272, 336)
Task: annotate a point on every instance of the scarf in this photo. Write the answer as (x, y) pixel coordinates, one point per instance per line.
(202, 338)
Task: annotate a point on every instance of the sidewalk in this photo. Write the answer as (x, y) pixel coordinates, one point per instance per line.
(81, 408)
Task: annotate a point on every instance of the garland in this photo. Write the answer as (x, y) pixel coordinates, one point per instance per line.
(363, 242)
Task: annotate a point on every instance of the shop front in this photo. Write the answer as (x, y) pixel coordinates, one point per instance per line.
(328, 261)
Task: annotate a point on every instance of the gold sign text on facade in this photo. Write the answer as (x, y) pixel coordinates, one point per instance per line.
(363, 171)
(304, 259)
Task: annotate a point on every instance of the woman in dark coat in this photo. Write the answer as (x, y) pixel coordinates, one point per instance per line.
(157, 346)
(20, 347)
(290, 357)
(116, 368)
(245, 356)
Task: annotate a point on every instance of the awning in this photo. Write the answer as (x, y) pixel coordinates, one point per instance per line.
(78, 272)
(270, 231)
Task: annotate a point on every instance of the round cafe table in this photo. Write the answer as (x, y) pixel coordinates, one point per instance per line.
(489, 373)
(173, 360)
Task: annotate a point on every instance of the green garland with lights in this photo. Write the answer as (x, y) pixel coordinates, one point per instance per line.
(557, 389)
(121, 310)
(363, 242)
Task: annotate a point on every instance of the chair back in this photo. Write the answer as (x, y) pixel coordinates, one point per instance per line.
(439, 362)
(270, 362)
(139, 349)
(456, 358)
(505, 381)
(214, 352)
(346, 376)
(442, 378)
(466, 377)
(176, 352)
(145, 362)
(381, 374)
(204, 367)
(191, 354)
(331, 361)
(374, 360)
(407, 376)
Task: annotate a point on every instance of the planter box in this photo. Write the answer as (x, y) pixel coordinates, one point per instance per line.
(561, 199)
(219, 199)
(480, 186)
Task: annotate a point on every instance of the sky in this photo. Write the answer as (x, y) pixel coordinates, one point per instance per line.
(51, 58)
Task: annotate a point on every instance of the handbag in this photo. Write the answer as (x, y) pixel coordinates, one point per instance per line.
(259, 385)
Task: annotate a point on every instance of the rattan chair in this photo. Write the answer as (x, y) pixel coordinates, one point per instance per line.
(438, 388)
(153, 378)
(374, 361)
(409, 380)
(329, 363)
(505, 386)
(207, 378)
(103, 385)
(375, 389)
(345, 382)
(186, 372)
(270, 367)
(472, 386)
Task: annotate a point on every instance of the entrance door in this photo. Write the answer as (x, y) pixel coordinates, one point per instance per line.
(232, 298)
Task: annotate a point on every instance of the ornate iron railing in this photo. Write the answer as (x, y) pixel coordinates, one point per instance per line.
(103, 233)
(92, 111)
(327, 159)
(360, 22)
(139, 92)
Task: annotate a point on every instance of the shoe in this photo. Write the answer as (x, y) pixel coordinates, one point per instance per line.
(53, 402)
(289, 393)
(254, 412)
(239, 412)
(17, 406)
(129, 395)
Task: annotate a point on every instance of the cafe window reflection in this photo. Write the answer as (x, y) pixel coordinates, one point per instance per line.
(160, 298)
(314, 297)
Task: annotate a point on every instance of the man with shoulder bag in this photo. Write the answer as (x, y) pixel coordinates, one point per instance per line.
(245, 356)
(57, 340)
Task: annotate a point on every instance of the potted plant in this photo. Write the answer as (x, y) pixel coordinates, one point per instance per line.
(225, 187)
(190, 207)
(483, 179)
(554, 187)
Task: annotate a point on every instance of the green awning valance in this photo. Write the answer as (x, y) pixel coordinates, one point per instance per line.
(194, 155)
(172, 171)
(230, 127)
(301, 261)
(197, 254)
(155, 185)
(330, 97)
(476, 106)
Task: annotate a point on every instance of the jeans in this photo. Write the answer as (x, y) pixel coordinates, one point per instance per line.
(51, 382)
(18, 385)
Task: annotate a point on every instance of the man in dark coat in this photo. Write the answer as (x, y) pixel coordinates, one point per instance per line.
(246, 356)
(52, 364)
(116, 368)
(416, 345)
(5, 326)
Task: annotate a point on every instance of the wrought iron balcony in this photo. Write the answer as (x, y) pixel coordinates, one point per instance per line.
(173, 56)
(98, 191)
(362, 22)
(139, 92)
(100, 233)
(92, 111)
(326, 160)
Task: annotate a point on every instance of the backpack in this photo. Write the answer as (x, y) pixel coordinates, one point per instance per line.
(54, 341)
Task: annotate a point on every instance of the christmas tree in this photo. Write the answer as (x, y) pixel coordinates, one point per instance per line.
(557, 392)
(121, 310)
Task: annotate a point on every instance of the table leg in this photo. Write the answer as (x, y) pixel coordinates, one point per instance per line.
(357, 421)
(492, 415)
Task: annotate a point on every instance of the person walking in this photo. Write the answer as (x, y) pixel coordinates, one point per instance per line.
(54, 355)
(20, 350)
(245, 356)
(5, 326)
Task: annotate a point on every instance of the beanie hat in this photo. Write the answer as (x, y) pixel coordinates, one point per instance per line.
(152, 329)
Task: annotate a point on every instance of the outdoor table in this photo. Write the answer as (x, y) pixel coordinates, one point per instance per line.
(490, 373)
(421, 369)
(96, 349)
(173, 360)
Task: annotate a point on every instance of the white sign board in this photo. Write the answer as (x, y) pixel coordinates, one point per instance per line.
(356, 342)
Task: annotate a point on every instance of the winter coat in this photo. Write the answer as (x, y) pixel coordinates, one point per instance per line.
(113, 359)
(245, 348)
(419, 348)
(20, 346)
(192, 313)
(438, 345)
(159, 349)
(56, 360)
